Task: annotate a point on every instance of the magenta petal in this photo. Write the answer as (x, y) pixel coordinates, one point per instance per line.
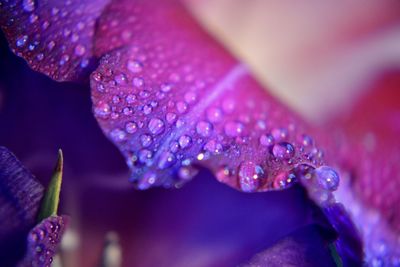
(171, 98)
(43, 241)
(54, 36)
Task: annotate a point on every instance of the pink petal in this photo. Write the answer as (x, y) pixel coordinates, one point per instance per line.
(170, 97)
(55, 37)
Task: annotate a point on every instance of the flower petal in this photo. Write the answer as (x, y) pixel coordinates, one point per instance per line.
(20, 195)
(305, 247)
(170, 97)
(370, 155)
(55, 37)
(43, 241)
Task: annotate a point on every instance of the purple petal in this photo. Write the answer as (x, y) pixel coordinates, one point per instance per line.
(20, 195)
(54, 36)
(306, 247)
(43, 241)
(171, 98)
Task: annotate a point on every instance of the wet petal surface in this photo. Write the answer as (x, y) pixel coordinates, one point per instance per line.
(171, 98)
(54, 37)
(43, 241)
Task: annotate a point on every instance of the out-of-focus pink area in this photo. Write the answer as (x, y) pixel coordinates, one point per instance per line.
(315, 55)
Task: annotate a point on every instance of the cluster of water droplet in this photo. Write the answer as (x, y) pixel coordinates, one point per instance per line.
(54, 37)
(43, 240)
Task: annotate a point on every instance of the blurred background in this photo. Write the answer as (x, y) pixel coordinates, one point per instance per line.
(317, 56)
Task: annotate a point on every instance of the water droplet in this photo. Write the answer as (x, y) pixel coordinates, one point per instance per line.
(64, 59)
(134, 66)
(33, 18)
(187, 172)
(51, 45)
(266, 140)
(284, 180)
(131, 127)
(147, 109)
(283, 150)
(250, 176)
(204, 128)
(181, 107)
(213, 147)
(233, 129)
(184, 141)
(148, 180)
(170, 117)
(130, 99)
(102, 109)
(279, 134)
(145, 155)
(138, 82)
(120, 78)
(327, 177)
(190, 97)
(156, 126)
(80, 50)
(146, 140)
(127, 111)
(214, 114)
(228, 105)
(118, 135)
(28, 5)
(166, 87)
(167, 159)
(40, 56)
(21, 41)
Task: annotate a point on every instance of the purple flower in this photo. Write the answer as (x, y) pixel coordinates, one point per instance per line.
(22, 241)
(173, 101)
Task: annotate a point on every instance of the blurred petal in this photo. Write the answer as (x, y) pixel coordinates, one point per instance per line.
(55, 37)
(20, 196)
(305, 247)
(370, 151)
(43, 241)
(169, 97)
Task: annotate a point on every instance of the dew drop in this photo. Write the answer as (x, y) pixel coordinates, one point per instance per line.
(166, 87)
(28, 5)
(266, 140)
(80, 50)
(250, 176)
(279, 134)
(283, 150)
(134, 66)
(233, 129)
(130, 99)
(102, 109)
(120, 79)
(145, 155)
(204, 128)
(228, 105)
(21, 41)
(327, 177)
(118, 135)
(131, 127)
(51, 45)
(170, 117)
(181, 107)
(146, 140)
(190, 97)
(187, 172)
(284, 180)
(213, 147)
(184, 141)
(138, 82)
(167, 159)
(147, 109)
(156, 126)
(214, 114)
